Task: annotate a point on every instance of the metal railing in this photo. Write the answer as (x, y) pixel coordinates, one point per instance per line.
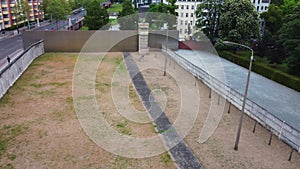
(280, 128)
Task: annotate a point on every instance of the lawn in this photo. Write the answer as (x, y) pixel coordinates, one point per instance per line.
(115, 8)
(39, 127)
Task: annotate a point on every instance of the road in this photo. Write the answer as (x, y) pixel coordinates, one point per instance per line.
(12, 44)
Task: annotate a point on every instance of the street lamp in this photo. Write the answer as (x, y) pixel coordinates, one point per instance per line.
(245, 94)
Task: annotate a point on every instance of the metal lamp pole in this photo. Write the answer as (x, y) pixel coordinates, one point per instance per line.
(245, 94)
(167, 39)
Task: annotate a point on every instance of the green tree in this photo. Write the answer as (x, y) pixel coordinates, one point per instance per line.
(127, 18)
(208, 15)
(290, 38)
(162, 13)
(96, 17)
(239, 21)
(59, 9)
(269, 46)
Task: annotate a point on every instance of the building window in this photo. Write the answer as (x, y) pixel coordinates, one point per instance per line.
(187, 7)
(186, 22)
(180, 31)
(191, 23)
(261, 8)
(192, 14)
(258, 2)
(257, 8)
(181, 14)
(253, 1)
(181, 22)
(187, 15)
(192, 7)
(182, 6)
(185, 31)
(266, 7)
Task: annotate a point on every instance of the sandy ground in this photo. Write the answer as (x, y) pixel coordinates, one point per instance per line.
(218, 152)
(39, 128)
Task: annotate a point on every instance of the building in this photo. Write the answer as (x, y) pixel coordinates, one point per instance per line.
(10, 9)
(187, 14)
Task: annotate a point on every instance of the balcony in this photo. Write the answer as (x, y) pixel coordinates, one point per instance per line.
(6, 19)
(5, 12)
(4, 5)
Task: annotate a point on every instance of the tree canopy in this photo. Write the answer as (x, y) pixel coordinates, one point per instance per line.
(239, 21)
(127, 18)
(290, 38)
(208, 14)
(96, 17)
(59, 9)
(162, 13)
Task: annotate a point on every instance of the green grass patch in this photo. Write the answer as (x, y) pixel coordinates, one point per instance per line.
(8, 134)
(165, 158)
(123, 127)
(115, 8)
(113, 21)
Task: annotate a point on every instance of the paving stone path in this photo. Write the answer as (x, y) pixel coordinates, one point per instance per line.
(179, 151)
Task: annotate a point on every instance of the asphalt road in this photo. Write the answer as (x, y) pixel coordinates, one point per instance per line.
(10, 45)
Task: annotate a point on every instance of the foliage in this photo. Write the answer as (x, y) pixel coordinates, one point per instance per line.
(161, 13)
(239, 21)
(290, 38)
(269, 46)
(208, 14)
(96, 17)
(115, 8)
(265, 70)
(59, 9)
(127, 18)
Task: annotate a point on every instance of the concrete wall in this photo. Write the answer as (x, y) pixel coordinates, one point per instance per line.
(158, 38)
(10, 73)
(97, 41)
(278, 127)
(89, 41)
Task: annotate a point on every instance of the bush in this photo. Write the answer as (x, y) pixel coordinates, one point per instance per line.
(264, 70)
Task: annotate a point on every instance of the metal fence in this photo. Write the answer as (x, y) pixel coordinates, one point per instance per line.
(282, 130)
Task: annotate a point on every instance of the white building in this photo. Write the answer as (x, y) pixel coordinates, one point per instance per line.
(187, 14)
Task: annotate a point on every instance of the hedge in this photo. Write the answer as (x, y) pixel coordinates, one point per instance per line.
(264, 70)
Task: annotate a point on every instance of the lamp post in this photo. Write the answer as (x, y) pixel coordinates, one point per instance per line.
(167, 41)
(245, 94)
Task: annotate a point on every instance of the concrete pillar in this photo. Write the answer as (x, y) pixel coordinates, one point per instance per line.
(143, 38)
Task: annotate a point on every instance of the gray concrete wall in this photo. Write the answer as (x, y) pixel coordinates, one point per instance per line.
(89, 41)
(283, 131)
(158, 38)
(10, 73)
(97, 41)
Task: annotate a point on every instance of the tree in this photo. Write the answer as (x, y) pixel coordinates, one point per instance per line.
(96, 17)
(269, 46)
(239, 21)
(162, 13)
(127, 18)
(290, 38)
(208, 14)
(59, 9)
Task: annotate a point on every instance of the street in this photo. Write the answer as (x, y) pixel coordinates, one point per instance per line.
(15, 43)
(10, 45)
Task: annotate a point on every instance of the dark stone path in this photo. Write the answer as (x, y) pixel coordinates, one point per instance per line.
(180, 152)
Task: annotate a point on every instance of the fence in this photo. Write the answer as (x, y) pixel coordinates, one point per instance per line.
(11, 72)
(283, 131)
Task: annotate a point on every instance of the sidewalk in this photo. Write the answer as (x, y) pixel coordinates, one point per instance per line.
(280, 100)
